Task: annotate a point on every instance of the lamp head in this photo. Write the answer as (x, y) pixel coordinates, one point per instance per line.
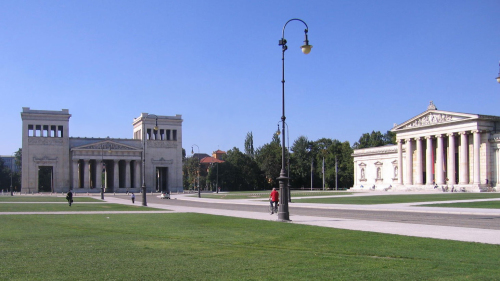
(306, 48)
(192, 151)
(498, 78)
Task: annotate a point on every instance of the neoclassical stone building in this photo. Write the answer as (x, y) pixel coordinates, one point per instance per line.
(153, 155)
(435, 150)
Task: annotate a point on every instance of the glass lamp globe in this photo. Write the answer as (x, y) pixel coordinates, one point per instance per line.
(306, 49)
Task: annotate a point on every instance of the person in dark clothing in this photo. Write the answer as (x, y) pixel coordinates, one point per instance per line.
(69, 197)
(133, 198)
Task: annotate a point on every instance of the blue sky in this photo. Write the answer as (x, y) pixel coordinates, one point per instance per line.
(218, 63)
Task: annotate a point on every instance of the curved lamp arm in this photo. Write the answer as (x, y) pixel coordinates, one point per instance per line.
(306, 48)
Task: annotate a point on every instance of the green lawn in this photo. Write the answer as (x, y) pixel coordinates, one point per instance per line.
(481, 204)
(29, 198)
(205, 247)
(75, 207)
(389, 199)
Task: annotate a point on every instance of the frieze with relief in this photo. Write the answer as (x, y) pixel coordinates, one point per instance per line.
(162, 161)
(435, 118)
(161, 144)
(107, 146)
(45, 160)
(45, 141)
(431, 119)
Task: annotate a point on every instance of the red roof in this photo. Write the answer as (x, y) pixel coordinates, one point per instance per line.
(210, 160)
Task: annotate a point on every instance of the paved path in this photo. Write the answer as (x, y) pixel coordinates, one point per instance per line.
(488, 233)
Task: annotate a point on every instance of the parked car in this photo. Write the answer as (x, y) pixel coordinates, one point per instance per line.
(165, 195)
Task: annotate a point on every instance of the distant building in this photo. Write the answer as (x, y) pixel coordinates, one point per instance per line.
(9, 161)
(436, 149)
(87, 164)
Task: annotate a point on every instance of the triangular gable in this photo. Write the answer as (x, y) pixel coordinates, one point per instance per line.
(105, 145)
(434, 117)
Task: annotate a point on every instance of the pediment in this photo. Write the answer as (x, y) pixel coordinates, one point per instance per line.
(106, 145)
(434, 117)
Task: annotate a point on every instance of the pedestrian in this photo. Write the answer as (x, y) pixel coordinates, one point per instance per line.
(274, 198)
(133, 198)
(69, 197)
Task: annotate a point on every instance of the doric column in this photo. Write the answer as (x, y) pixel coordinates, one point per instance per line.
(116, 175)
(409, 163)
(439, 160)
(75, 174)
(137, 172)
(98, 173)
(487, 162)
(477, 144)
(86, 173)
(451, 159)
(127, 174)
(419, 179)
(429, 161)
(464, 159)
(400, 161)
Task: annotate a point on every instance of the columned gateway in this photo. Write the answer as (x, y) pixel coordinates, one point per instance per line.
(436, 150)
(87, 164)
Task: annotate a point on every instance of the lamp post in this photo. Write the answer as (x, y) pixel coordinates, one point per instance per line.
(103, 165)
(192, 152)
(288, 159)
(11, 167)
(498, 78)
(283, 213)
(144, 202)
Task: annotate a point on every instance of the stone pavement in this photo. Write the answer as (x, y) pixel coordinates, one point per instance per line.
(487, 236)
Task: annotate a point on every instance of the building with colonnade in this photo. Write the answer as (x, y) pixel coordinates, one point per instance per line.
(54, 162)
(436, 149)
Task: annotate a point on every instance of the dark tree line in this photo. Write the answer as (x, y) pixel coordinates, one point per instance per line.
(5, 174)
(257, 169)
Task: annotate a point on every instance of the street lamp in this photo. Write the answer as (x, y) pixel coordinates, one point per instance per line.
(192, 153)
(283, 213)
(498, 78)
(11, 167)
(144, 203)
(288, 159)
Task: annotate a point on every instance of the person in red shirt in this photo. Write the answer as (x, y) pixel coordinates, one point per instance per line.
(274, 196)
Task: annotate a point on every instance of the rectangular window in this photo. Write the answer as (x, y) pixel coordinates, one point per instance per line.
(31, 132)
(60, 131)
(174, 135)
(45, 130)
(148, 134)
(38, 130)
(168, 134)
(53, 131)
(162, 134)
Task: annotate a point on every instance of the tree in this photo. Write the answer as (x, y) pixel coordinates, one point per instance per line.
(249, 145)
(268, 158)
(238, 172)
(190, 170)
(375, 139)
(300, 164)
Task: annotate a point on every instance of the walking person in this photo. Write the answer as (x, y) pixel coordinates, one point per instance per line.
(133, 198)
(69, 197)
(274, 198)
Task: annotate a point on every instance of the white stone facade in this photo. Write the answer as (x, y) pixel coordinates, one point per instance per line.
(87, 164)
(435, 150)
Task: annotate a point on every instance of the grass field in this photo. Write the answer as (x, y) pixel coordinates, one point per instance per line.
(390, 199)
(205, 247)
(480, 204)
(76, 207)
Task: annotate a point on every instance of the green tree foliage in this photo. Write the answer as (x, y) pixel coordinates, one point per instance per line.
(375, 139)
(238, 172)
(190, 170)
(300, 163)
(249, 150)
(269, 159)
